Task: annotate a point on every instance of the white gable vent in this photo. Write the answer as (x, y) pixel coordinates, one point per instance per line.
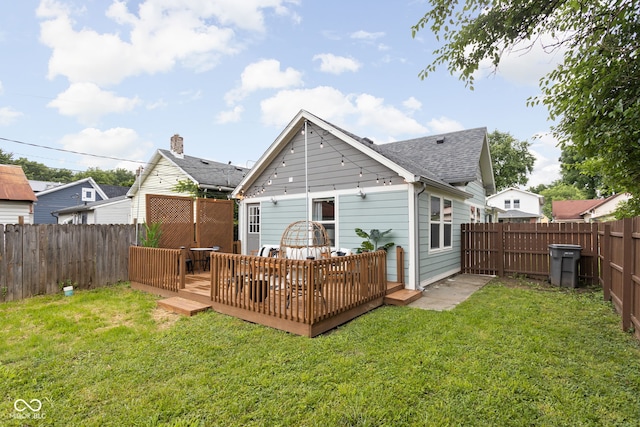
(88, 195)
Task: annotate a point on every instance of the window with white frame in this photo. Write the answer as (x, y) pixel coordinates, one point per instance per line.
(516, 203)
(507, 204)
(324, 212)
(441, 222)
(254, 219)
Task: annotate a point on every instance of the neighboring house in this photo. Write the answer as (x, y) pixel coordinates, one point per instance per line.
(592, 210)
(64, 196)
(167, 167)
(17, 199)
(517, 205)
(422, 189)
(116, 210)
(38, 186)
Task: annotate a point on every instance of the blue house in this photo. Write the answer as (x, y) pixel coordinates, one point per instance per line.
(75, 193)
(422, 189)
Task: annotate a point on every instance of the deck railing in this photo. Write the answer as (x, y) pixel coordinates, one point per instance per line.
(305, 291)
(157, 267)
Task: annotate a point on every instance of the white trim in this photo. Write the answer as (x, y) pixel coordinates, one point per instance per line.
(413, 230)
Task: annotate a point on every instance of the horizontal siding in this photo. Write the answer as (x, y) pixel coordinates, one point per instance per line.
(436, 263)
(117, 213)
(325, 171)
(161, 178)
(477, 190)
(382, 211)
(274, 219)
(10, 211)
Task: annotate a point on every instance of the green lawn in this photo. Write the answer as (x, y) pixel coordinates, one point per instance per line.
(510, 355)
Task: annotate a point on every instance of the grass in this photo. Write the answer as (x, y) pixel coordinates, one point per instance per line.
(510, 355)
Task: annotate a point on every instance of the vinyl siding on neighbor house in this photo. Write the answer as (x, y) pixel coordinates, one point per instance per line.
(11, 210)
(58, 199)
(156, 182)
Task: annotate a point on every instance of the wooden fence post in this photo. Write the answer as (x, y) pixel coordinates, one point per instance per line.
(500, 249)
(627, 273)
(605, 250)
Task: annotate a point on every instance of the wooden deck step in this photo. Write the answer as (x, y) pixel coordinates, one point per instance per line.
(402, 297)
(393, 287)
(183, 306)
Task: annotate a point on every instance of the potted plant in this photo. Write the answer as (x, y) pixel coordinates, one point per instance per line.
(372, 238)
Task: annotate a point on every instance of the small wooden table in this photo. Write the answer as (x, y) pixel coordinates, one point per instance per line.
(201, 256)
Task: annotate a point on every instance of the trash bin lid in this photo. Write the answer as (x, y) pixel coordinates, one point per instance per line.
(563, 247)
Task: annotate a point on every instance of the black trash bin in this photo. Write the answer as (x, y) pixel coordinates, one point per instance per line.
(564, 264)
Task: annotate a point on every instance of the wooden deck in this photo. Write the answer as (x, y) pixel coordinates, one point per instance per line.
(301, 297)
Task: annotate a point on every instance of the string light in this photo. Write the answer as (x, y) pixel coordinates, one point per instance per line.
(342, 161)
(360, 172)
(283, 163)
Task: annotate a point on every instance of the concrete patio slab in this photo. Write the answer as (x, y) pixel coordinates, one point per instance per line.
(448, 293)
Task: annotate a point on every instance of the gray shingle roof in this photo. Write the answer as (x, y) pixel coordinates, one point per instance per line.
(114, 190)
(208, 172)
(455, 159)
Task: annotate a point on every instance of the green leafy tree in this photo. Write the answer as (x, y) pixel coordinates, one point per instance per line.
(5, 157)
(560, 191)
(188, 186)
(579, 171)
(511, 160)
(594, 95)
(120, 177)
(41, 172)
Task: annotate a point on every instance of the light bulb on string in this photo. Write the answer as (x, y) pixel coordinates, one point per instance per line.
(342, 160)
(360, 172)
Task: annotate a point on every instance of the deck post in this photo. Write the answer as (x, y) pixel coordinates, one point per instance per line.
(182, 264)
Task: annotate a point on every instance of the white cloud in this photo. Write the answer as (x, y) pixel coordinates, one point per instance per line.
(546, 168)
(363, 114)
(88, 103)
(330, 63)
(231, 116)
(444, 125)
(365, 35)
(154, 39)
(116, 142)
(526, 63)
(264, 74)
(326, 102)
(160, 103)
(8, 115)
(412, 104)
(374, 114)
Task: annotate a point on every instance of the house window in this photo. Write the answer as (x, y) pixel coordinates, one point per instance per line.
(507, 204)
(324, 212)
(254, 219)
(441, 222)
(516, 203)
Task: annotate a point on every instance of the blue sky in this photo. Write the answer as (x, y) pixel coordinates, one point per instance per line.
(118, 78)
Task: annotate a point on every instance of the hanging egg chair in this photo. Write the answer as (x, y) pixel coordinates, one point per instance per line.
(305, 240)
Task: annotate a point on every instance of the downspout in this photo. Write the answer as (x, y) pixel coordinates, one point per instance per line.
(417, 232)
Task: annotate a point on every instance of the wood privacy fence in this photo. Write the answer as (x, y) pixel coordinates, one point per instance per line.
(504, 249)
(39, 259)
(610, 255)
(620, 272)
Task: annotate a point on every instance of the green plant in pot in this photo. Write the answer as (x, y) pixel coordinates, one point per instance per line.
(373, 238)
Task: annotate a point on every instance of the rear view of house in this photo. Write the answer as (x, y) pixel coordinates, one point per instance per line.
(421, 189)
(16, 196)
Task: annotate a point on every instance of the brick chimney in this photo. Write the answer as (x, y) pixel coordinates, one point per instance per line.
(177, 146)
